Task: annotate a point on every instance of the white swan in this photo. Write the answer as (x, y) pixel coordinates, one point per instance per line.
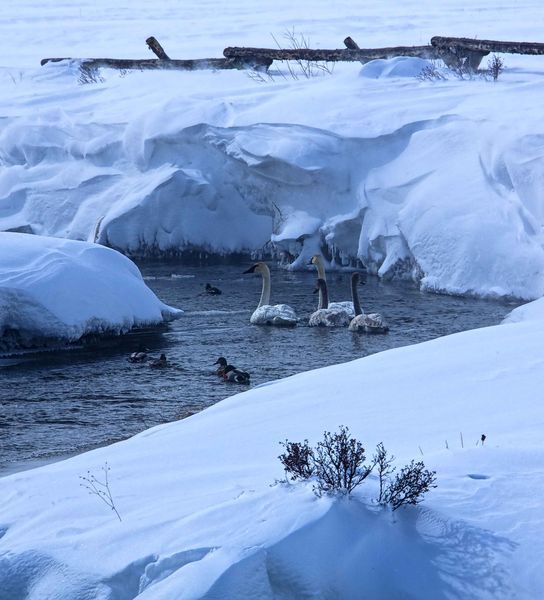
(280, 315)
(325, 315)
(346, 305)
(362, 323)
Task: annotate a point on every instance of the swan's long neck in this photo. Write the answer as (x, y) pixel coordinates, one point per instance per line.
(320, 268)
(265, 294)
(355, 297)
(323, 296)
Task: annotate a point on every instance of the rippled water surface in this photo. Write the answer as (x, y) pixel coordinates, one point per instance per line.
(58, 403)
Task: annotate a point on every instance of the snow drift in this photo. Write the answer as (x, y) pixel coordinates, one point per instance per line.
(53, 289)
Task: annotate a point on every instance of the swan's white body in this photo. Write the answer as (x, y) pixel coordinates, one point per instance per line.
(344, 306)
(326, 315)
(329, 317)
(278, 315)
(371, 323)
(364, 323)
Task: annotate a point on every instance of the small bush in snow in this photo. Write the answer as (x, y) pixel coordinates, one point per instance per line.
(339, 463)
(336, 463)
(297, 460)
(383, 462)
(409, 485)
(495, 66)
(431, 73)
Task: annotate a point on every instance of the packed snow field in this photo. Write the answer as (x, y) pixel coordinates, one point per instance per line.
(437, 181)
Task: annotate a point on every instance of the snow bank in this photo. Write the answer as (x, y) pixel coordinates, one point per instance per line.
(401, 66)
(200, 520)
(440, 182)
(53, 289)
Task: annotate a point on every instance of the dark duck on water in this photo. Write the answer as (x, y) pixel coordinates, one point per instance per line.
(222, 362)
(234, 375)
(140, 355)
(213, 291)
(158, 363)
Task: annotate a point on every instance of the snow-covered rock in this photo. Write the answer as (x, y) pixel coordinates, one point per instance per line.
(60, 290)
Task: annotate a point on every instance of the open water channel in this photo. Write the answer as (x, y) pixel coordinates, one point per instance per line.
(58, 403)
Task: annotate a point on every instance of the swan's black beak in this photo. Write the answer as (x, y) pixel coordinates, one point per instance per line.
(250, 270)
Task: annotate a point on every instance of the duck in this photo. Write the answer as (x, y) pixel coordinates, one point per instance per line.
(140, 355)
(325, 315)
(279, 315)
(346, 305)
(222, 362)
(363, 323)
(234, 375)
(213, 291)
(158, 363)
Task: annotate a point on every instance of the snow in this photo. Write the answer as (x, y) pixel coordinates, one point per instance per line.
(439, 181)
(55, 290)
(200, 518)
(352, 162)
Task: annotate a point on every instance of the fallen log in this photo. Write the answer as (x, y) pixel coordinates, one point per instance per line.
(340, 54)
(487, 46)
(154, 63)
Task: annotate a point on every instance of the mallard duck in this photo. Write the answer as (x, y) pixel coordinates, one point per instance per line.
(213, 291)
(279, 315)
(234, 375)
(363, 323)
(158, 363)
(345, 305)
(222, 362)
(140, 355)
(326, 316)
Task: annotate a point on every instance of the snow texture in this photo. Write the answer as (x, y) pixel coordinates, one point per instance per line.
(55, 290)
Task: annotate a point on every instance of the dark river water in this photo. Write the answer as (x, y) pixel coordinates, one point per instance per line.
(58, 403)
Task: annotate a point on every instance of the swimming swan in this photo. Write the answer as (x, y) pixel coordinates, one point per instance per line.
(347, 305)
(371, 323)
(325, 315)
(280, 315)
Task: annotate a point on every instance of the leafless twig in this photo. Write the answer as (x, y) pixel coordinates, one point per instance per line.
(98, 488)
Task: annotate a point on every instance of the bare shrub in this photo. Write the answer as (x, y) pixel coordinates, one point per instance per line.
(89, 75)
(409, 485)
(306, 68)
(383, 462)
(431, 73)
(339, 463)
(100, 488)
(495, 66)
(297, 460)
